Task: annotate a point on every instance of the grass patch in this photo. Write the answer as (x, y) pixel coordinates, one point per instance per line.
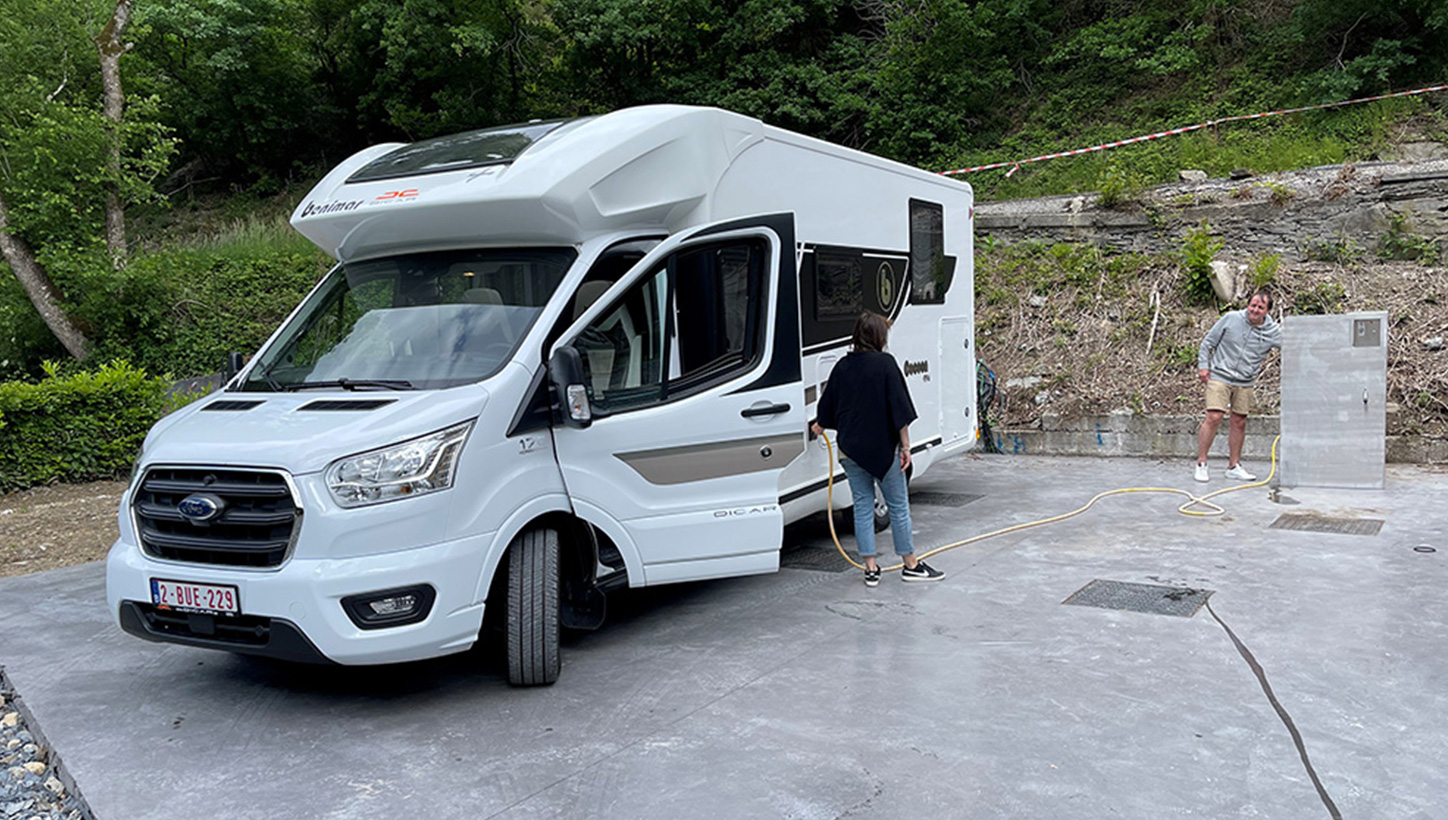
(1266, 146)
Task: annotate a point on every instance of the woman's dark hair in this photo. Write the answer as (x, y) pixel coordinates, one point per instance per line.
(871, 332)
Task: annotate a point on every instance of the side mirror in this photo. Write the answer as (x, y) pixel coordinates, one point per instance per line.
(565, 371)
(234, 363)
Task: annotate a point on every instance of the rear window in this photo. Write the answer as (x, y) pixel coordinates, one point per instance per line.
(472, 149)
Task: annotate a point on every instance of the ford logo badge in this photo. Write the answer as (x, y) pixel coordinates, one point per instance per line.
(201, 508)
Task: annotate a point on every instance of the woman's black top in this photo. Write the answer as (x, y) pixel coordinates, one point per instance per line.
(867, 402)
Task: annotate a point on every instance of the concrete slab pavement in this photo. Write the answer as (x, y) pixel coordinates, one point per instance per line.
(804, 694)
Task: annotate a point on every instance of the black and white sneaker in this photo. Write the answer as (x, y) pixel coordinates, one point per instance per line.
(921, 572)
(872, 577)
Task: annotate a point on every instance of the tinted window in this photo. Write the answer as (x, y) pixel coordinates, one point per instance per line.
(930, 269)
(839, 287)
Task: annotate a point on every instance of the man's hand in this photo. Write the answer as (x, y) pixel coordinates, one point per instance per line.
(816, 429)
(904, 459)
(1203, 374)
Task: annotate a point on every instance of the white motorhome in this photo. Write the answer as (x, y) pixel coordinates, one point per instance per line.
(554, 359)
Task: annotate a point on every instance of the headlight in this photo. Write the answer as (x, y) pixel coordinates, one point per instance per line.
(412, 468)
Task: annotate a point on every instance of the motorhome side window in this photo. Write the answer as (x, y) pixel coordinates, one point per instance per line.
(839, 286)
(931, 270)
(694, 321)
(416, 321)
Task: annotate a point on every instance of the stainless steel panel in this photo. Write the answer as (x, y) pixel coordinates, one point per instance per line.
(1334, 400)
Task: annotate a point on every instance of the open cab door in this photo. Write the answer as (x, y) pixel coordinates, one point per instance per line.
(682, 401)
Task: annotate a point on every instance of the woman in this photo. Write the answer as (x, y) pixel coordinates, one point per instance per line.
(867, 403)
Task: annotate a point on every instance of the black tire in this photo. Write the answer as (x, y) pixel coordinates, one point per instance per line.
(845, 517)
(532, 622)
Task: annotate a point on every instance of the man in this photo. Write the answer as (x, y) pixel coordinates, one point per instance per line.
(1227, 363)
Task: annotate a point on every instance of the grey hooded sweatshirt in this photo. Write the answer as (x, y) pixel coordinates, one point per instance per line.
(1233, 349)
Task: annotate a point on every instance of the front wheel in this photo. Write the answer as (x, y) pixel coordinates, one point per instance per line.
(532, 623)
(882, 512)
(845, 518)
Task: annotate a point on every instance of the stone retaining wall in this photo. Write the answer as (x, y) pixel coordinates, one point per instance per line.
(1285, 213)
(1125, 433)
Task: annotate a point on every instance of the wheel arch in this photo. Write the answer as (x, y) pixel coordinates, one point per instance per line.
(578, 546)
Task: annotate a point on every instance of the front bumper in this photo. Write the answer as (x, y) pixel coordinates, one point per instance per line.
(296, 613)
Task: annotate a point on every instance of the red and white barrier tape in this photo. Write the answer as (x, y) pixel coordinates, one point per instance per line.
(1016, 164)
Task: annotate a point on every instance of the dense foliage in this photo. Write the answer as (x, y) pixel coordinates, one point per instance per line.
(257, 97)
(177, 311)
(264, 90)
(80, 427)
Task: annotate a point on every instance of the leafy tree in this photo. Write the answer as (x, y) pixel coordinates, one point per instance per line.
(1353, 47)
(800, 64)
(449, 65)
(61, 157)
(238, 79)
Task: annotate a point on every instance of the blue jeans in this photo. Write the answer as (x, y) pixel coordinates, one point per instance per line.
(897, 498)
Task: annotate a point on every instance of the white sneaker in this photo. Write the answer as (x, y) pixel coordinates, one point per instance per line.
(1240, 473)
(1201, 474)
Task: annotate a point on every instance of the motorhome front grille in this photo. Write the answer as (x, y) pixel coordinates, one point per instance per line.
(252, 516)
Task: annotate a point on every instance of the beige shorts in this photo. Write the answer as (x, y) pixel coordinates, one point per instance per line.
(1225, 397)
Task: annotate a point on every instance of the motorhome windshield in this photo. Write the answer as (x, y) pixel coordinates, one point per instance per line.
(415, 321)
(474, 149)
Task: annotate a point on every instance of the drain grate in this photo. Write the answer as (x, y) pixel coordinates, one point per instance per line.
(1306, 522)
(819, 560)
(938, 499)
(1181, 602)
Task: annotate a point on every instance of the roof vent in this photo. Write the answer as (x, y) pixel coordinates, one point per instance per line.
(346, 404)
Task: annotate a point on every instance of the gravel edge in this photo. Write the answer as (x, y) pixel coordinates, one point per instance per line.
(34, 783)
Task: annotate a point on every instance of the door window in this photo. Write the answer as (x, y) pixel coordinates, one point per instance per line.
(623, 350)
(695, 321)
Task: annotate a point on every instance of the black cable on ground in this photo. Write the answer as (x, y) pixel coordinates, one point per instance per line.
(1281, 714)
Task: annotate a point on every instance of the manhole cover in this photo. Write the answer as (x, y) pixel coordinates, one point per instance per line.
(938, 499)
(1182, 602)
(1322, 523)
(819, 560)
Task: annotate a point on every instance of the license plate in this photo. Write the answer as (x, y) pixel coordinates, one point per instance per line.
(184, 596)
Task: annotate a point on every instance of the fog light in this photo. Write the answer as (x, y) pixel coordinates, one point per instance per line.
(390, 607)
(387, 607)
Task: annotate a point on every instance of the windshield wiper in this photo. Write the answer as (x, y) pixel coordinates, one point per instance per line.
(352, 384)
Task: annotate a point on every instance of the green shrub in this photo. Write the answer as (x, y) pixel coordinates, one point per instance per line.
(1340, 250)
(1264, 270)
(1401, 243)
(25, 341)
(1118, 187)
(174, 311)
(1199, 247)
(181, 311)
(78, 427)
(1323, 297)
(1279, 193)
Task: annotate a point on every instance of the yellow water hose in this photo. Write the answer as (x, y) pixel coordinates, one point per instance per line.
(1184, 509)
